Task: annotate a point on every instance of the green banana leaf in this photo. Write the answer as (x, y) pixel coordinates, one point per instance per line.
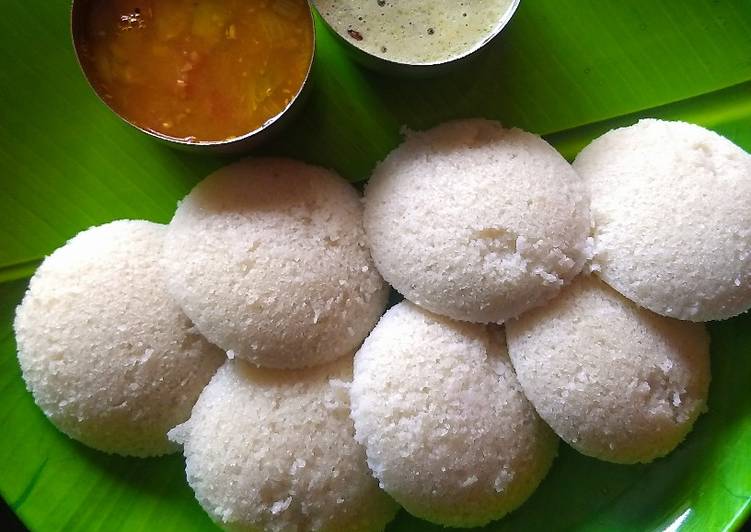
(569, 70)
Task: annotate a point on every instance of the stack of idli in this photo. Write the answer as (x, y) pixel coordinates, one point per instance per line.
(476, 223)
(471, 222)
(264, 274)
(543, 300)
(268, 258)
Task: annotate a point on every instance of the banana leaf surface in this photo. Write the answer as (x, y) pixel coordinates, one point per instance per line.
(568, 70)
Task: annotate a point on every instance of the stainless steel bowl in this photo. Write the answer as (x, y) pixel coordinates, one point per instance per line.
(397, 68)
(237, 144)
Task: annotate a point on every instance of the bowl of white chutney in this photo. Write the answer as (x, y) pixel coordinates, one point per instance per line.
(415, 37)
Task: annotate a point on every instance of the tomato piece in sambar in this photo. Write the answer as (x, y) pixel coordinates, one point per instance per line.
(197, 70)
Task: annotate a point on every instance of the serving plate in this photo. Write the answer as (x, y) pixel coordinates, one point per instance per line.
(567, 70)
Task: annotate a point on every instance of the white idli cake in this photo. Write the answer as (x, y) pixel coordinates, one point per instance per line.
(615, 381)
(443, 420)
(274, 450)
(268, 258)
(108, 356)
(476, 222)
(671, 208)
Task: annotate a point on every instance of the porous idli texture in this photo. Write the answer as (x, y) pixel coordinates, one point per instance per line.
(615, 381)
(271, 450)
(268, 258)
(108, 356)
(671, 210)
(476, 222)
(447, 430)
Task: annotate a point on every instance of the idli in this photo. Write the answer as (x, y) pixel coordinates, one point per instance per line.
(615, 381)
(476, 222)
(108, 356)
(446, 428)
(275, 451)
(671, 209)
(268, 258)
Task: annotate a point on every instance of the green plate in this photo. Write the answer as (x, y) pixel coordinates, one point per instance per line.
(568, 70)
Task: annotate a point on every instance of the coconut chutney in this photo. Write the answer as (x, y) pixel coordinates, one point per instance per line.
(415, 31)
